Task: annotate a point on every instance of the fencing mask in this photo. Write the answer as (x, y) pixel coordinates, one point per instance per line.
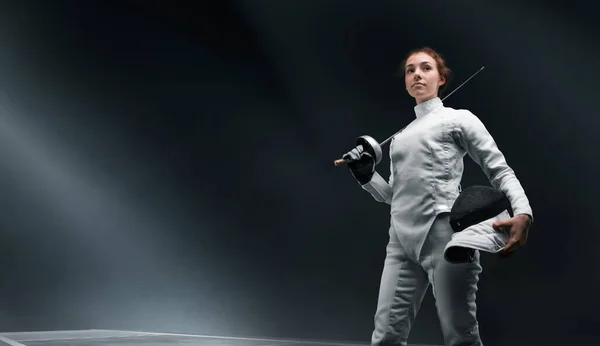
(471, 218)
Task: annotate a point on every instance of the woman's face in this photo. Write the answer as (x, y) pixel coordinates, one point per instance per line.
(422, 77)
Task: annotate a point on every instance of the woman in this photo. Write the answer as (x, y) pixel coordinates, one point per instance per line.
(425, 174)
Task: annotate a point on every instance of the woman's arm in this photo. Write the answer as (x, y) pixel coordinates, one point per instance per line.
(379, 188)
(472, 135)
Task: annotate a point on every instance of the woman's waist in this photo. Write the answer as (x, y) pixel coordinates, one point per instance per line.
(420, 185)
(425, 193)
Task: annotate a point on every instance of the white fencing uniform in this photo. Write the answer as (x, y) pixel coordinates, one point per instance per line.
(426, 171)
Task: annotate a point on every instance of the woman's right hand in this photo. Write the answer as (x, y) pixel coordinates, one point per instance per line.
(361, 164)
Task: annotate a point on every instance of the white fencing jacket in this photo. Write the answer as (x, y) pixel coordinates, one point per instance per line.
(427, 167)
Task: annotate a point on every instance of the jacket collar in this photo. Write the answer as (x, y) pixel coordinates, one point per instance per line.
(426, 107)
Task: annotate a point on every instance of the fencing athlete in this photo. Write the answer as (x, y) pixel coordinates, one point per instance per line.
(425, 174)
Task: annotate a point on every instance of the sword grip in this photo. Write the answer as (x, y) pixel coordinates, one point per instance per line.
(339, 162)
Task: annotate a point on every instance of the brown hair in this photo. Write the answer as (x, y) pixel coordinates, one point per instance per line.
(444, 71)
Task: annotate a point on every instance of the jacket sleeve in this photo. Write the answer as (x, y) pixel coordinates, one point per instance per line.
(472, 135)
(380, 189)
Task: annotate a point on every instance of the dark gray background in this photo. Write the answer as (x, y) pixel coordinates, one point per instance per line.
(168, 166)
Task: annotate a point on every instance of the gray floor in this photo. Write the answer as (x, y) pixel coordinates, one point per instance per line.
(126, 338)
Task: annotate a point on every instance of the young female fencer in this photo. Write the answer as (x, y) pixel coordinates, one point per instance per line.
(425, 175)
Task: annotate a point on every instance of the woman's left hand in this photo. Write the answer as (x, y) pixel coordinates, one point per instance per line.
(519, 228)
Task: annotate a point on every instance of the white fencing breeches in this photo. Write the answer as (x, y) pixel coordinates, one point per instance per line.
(405, 280)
